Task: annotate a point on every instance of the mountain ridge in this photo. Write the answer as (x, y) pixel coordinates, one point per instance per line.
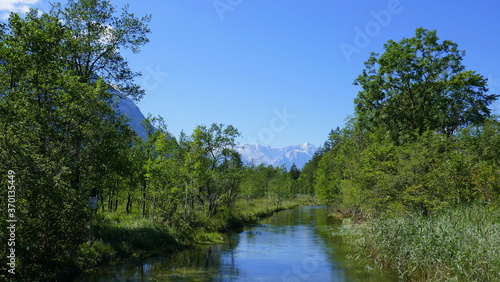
(258, 154)
(251, 154)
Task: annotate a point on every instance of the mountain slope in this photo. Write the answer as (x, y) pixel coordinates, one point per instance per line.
(128, 108)
(257, 154)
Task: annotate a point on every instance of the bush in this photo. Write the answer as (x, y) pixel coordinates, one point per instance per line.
(95, 254)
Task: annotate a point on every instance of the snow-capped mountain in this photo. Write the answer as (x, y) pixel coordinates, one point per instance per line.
(257, 154)
(251, 154)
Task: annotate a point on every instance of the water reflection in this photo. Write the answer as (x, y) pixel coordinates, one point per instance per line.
(292, 245)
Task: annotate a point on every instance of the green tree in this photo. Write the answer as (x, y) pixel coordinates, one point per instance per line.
(216, 164)
(98, 37)
(307, 176)
(419, 84)
(294, 175)
(294, 172)
(280, 186)
(62, 137)
(256, 181)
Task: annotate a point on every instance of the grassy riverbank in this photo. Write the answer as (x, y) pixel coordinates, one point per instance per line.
(121, 236)
(458, 244)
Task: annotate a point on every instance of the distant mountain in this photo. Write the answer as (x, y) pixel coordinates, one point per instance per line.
(128, 108)
(251, 154)
(257, 154)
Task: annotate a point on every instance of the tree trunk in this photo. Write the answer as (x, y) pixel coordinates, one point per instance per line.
(102, 201)
(144, 204)
(110, 202)
(129, 204)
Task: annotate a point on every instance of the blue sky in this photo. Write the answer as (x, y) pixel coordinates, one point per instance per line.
(282, 71)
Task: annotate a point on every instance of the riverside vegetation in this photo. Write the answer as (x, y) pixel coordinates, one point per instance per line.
(417, 165)
(60, 134)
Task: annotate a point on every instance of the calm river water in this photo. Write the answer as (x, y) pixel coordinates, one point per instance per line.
(292, 245)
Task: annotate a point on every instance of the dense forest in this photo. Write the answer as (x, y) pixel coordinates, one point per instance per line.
(421, 142)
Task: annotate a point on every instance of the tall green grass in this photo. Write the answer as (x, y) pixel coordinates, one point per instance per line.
(254, 209)
(458, 244)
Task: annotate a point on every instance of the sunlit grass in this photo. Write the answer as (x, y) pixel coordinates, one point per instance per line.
(255, 209)
(459, 244)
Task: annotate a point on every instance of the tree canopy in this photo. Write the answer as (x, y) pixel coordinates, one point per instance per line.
(419, 84)
(418, 141)
(98, 35)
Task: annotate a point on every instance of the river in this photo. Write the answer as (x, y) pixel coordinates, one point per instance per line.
(292, 245)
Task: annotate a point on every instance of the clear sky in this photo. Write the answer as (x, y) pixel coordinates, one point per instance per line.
(282, 71)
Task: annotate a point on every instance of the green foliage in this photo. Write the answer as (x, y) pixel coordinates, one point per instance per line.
(428, 174)
(60, 134)
(328, 180)
(294, 172)
(217, 165)
(419, 85)
(98, 36)
(274, 183)
(131, 235)
(307, 176)
(422, 139)
(256, 181)
(91, 255)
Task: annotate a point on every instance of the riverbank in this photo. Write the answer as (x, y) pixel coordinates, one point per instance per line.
(123, 237)
(290, 245)
(459, 244)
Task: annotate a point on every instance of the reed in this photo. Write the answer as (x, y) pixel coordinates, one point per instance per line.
(461, 243)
